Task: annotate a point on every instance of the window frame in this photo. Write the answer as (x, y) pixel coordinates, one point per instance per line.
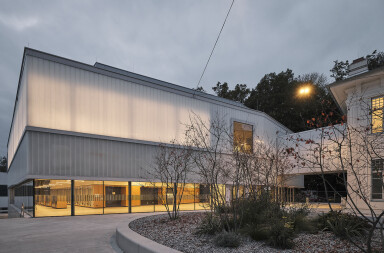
(382, 115)
(233, 121)
(382, 179)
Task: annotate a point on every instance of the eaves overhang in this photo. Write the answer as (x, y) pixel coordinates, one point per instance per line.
(339, 89)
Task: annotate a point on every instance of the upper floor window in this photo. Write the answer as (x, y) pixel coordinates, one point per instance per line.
(377, 114)
(377, 178)
(242, 137)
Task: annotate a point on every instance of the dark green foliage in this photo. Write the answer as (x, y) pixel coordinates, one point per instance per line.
(200, 88)
(3, 164)
(260, 233)
(281, 235)
(343, 225)
(300, 221)
(340, 70)
(277, 95)
(210, 225)
(227, 240)
(375, 60)
(239, 94)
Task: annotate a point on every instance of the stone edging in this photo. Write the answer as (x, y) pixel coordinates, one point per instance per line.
(131, 242)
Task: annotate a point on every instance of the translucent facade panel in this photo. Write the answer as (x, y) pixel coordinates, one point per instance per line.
(19, 120)
(242, 137)
(89, 197)
(52, 197)
(72, 99)
(377, 114)
(116, 197)
(143, 197)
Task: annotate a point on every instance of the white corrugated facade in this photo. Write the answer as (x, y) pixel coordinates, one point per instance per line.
(82, 121)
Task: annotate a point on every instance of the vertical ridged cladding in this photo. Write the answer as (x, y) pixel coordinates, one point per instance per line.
(20, 166)
(19, 117)
(75, 156)
(72, 99)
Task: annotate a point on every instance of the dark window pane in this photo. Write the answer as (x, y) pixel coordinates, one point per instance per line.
(3, 191)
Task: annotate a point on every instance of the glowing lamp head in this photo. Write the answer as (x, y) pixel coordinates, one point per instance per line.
(304, 90)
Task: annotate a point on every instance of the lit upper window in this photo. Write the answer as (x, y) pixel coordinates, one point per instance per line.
(377, 114)
(242, 137)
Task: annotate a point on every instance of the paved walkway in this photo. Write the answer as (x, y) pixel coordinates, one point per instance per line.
(93, 233)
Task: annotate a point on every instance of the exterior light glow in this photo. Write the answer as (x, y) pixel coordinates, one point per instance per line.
(304, 91)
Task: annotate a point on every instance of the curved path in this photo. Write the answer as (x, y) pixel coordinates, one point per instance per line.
(93, 233)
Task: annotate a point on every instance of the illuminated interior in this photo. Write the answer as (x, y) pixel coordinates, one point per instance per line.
(242, 137)
(377, 114)
(53, 197)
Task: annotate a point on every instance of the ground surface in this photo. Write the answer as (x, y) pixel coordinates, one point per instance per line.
(179, 235)
(94, 233)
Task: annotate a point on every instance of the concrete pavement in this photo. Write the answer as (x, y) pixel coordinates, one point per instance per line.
(93, 233)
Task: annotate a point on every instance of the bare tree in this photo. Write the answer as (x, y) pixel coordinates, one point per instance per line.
(230, 168)
(173, 166)
(352, 149)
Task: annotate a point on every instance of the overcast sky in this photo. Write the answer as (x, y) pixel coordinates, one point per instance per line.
(171, 40)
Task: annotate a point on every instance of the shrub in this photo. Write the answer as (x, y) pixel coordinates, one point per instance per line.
(281, 235)
(260, 233)
(209, 225)
(300, 221)
(343, 225)
(227, 240)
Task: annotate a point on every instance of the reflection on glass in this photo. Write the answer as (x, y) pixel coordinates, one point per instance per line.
(377, 178)
(89, 197)
(187, 201)
(116, 197)
(242, 137)
(202, 196)
(377, 114)
(22, 196)
(52, 197)
(143, 197)
(165, 194)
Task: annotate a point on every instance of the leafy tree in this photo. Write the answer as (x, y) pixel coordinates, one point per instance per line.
(277, 95)
(3, 164)
(200, 88)
(375, 60)
(239, 93)
(340, 70)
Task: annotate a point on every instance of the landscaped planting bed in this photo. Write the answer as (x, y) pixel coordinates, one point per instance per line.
(180, 234)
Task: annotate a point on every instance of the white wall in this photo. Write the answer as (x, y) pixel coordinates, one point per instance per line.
(71, 99)
(19, 118)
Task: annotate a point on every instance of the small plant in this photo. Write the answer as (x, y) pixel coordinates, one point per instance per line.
(227, 240)
(210, 225)
(343, 225)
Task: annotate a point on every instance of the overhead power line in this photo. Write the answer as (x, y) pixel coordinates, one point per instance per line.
(206, 65)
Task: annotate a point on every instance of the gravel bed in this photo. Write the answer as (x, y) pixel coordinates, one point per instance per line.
(179, 234)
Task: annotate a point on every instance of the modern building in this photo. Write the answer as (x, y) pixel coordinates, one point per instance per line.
(83, 136)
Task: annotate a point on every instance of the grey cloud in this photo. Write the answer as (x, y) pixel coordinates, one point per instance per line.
(171, 40)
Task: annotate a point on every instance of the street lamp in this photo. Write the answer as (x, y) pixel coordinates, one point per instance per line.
(305, 90)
